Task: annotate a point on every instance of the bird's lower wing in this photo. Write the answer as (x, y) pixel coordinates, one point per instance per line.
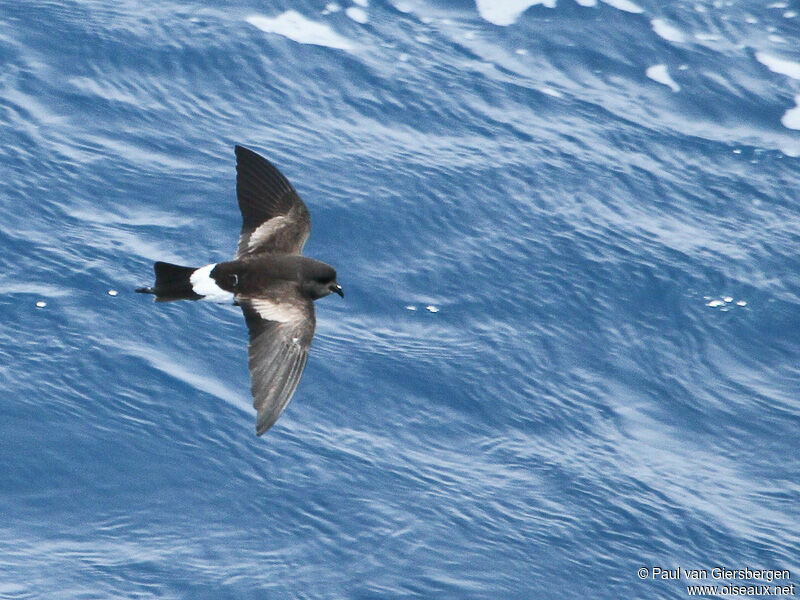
(280, 337)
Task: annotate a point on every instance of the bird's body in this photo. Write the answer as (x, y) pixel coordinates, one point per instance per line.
(257, 274)
(274, 285)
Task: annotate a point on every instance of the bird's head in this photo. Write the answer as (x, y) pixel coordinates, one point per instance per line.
(323, 282)
(320, 289)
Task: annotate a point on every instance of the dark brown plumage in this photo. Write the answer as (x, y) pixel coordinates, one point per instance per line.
(274, 285)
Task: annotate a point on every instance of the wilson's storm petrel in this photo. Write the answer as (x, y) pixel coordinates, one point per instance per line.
(269, 278)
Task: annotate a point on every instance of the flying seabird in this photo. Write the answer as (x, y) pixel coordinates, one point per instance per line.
(268, 278)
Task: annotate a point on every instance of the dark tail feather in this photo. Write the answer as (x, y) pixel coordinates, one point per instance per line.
(172, 283)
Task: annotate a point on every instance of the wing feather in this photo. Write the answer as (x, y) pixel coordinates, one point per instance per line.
(277, 354)
(274, 218)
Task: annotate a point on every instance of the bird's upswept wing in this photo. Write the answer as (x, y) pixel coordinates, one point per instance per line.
(280, 336)
(274, 218)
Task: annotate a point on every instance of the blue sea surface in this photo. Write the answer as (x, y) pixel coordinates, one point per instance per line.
(569, 238)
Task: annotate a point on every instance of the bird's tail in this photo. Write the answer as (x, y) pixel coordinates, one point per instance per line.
(172, 283)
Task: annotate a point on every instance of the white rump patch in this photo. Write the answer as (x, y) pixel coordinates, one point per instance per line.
(275, 311)
(204, 284)
(266, 230)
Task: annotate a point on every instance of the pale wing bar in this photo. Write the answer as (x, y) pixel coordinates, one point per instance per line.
(274, 218)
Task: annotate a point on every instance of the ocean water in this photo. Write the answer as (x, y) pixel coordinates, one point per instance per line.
(568, 234)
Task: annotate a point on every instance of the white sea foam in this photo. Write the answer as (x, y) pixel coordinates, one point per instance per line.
(625, 5)
(660, 74)
(667, 31)
(359, 15)
(782, 66)
(791, 120)
(506, 12)
(725, 303)
(363, 3)
(298, 28)
(790, 149)
(551, 92)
